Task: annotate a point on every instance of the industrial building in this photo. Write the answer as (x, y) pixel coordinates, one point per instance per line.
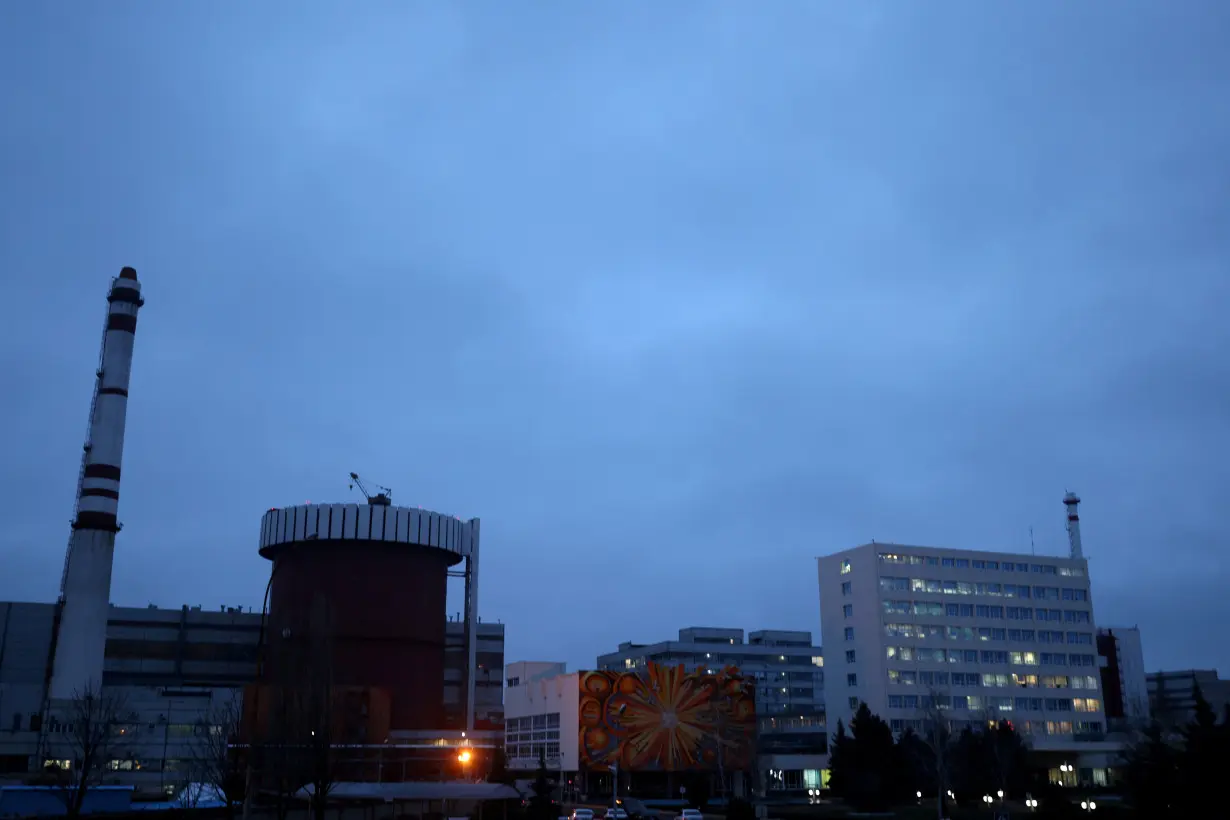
(374, 578)
(177, 676)
(787, 670)
(652, 729)
(179, 672)
(980, 635)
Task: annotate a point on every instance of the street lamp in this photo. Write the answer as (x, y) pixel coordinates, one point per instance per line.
(1000, 794)
(986, 798)
(464, 756)
(1031, 804)
(1088, 805)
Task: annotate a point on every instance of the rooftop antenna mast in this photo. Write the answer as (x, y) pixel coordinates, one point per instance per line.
(1032, 549)
(382, 498)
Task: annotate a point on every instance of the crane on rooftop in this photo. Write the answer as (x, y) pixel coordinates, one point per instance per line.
(382, 498)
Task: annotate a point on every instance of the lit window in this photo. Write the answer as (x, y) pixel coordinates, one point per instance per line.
(817, 661)
(845, 567)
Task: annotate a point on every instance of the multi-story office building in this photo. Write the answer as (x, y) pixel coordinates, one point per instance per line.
(1125, 693)
(1172, 695)
(792, 745)
(981, 635)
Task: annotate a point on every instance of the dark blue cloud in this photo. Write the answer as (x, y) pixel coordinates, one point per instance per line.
(675, 299)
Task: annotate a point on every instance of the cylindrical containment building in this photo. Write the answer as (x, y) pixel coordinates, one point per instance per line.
(365, 585)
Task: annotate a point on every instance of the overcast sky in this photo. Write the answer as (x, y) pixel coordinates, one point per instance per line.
(674, 296)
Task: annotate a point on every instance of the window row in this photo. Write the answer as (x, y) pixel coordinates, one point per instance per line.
(927, 654)
(1011, 613)
(932, 586)
(969, 633)
(1026, 727)
(532, 723)
(532, 751)
(519, 737)
(977, 563)
(978, 703)
(1020, 681)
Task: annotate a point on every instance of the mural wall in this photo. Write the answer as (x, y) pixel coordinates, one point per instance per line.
(666, 719)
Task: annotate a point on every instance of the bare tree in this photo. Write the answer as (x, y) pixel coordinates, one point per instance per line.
(88, 734)
(218, 767)
(937, 735)
(296, 735)
(1004, 750)
(278, 755)
(315, 703)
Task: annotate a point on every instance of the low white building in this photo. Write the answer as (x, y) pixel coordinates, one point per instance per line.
(539, 699)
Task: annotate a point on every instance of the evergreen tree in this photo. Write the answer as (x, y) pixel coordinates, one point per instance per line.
(863, 765)
(839, 754)
(1008, 759)
(1203, 759)
(915, 765)
(541, 806)
(1151, 773)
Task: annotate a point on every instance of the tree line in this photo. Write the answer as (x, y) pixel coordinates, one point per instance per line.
(1172, 769)
(873, 771)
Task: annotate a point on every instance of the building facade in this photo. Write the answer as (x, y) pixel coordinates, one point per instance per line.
(656, 728)
(787, 669)
(979, 635)
(1172, 695)
(540, 698)
(1124, 687)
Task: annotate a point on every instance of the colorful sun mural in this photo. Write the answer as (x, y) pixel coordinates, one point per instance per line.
(666, 719)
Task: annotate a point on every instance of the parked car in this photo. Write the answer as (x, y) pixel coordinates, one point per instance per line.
(616, 813)
(634, 809)
(583, 814)
(691, 814)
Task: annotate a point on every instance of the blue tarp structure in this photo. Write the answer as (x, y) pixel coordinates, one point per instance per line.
(48, 801)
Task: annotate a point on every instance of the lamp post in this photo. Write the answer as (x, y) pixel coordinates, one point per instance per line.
(1088, 805)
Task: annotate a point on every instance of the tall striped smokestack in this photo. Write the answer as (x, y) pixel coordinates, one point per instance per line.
(86, 585)
(1074, 526)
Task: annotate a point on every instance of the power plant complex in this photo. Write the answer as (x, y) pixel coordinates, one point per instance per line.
(353, 651)
(361, 586)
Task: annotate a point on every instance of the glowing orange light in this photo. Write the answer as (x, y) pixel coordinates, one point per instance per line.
(463, 756)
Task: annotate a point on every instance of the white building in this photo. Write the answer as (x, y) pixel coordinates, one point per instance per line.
(988, 635)
(539, 698)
